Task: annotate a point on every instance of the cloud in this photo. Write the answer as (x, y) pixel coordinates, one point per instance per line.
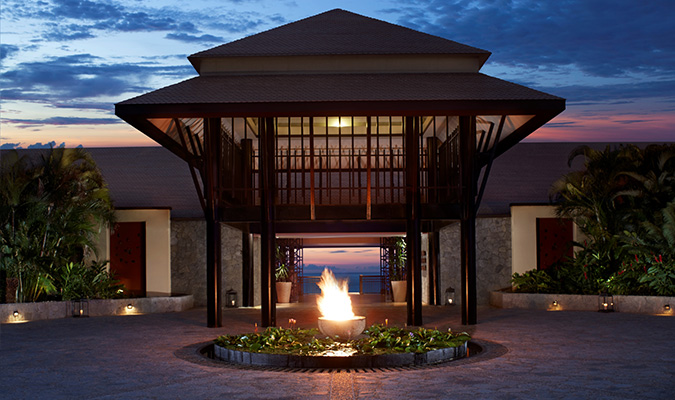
(48, 145)
(567, 124)
(632, 121)
(62, 81)
(614, 94)
(184, 37)
(337, 251)
(28, 123)
(60, 33)
(245, 23)
(38, 145)
(7, 50)
(84, 9)
(84, 19)
(602, 38)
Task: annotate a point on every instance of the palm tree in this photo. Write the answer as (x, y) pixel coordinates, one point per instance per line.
(50, 213)
(596, 198)
(653, 198)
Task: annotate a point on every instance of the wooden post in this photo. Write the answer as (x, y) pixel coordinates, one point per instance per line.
(467, 137)
(432, 170)
(247, 171)
(246, 268)
(433, 268)
(213, 240)
(267, 229)
(413, 221)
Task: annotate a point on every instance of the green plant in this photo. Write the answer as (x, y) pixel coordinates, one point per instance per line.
(78, 281)
(281, 271)
(533, 282)
(659, 276)
(51, 210)
(623, 203)
(383, 339)
(379, 340)
(398, 256)
(627, 280)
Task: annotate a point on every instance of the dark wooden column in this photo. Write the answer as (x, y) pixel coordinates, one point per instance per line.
(212, 154)
(433, 266)
(246, 268)
(413, 221)
(267, 229)
(467, 149)
(433, 236)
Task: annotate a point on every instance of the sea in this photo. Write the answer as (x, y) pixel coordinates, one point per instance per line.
(353, 278)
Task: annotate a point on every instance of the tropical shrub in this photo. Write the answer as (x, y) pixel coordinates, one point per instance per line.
(379, 340)
(51, 210)
(80, 281)
(533, 282)
(623, 201)
(659, 276)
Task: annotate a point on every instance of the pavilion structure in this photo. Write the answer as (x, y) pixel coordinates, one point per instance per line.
(340, 122)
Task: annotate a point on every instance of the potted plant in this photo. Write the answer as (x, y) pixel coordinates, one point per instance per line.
(397, 270)
(282, 275)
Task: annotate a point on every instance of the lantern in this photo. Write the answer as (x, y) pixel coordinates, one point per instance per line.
(605, 302)
(449, 297)
(79, 308)
(231, 298)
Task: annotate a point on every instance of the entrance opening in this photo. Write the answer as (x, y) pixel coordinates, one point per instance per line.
(351, 263)
(554, 238)
(127, 256)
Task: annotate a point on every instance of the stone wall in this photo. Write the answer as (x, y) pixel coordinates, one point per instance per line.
(94, 308)
(188, 260)
(493, 257)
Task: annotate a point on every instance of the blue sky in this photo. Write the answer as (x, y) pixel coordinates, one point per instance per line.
(66, 62)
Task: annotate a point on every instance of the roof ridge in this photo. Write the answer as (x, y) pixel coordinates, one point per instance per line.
(336, 32)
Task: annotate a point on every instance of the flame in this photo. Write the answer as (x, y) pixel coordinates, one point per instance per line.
(334, 302)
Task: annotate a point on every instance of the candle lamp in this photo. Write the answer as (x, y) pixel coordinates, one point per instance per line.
(79, 308)
(605, 302)
(231, 298)
(449, 297)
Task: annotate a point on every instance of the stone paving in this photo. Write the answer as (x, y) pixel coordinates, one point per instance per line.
(529, 354)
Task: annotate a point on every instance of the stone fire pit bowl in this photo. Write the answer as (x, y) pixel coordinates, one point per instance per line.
(343, 330)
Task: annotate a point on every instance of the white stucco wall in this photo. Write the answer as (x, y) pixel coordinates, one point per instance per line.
(524, 234)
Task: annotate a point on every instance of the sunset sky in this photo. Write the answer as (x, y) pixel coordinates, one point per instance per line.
(355, 259)
(66, 62)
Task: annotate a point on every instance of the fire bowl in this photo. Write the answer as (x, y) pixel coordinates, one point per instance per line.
(344, 329)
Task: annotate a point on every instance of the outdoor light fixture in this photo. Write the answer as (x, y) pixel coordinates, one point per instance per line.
(555, 303)
(79, 308)
(449, 296)
(665, 308)
(605, 302)
(130, 307)
(15, 313)
(231, 298)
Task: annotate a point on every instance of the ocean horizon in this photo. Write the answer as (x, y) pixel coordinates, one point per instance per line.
(353, 282)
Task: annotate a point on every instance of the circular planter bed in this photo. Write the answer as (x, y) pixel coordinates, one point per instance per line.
(377, 347)
(359, 361)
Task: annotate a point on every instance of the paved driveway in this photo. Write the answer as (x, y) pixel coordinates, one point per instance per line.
(530, 354)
